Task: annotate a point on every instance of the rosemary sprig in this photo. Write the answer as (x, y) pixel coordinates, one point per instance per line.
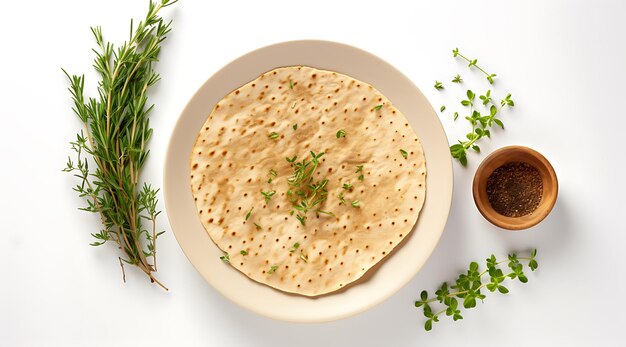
(480, 123)
(468, 287)
(473, 62)
(115, 135)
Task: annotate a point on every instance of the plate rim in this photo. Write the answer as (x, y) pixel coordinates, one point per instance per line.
(346, 313)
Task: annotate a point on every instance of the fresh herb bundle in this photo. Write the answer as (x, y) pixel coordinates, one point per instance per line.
(468, 287)
(115, 136)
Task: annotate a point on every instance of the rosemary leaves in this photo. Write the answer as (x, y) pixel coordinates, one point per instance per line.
(114, 137)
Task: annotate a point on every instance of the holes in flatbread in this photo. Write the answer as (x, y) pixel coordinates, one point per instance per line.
(195, 166)
(210, 220)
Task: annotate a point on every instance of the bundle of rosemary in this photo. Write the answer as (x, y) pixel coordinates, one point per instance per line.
(114, 138)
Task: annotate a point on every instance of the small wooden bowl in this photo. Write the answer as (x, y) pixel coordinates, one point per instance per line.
(515, 154)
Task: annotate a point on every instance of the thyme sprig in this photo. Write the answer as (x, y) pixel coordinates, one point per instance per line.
(308, 195)
(115, 136)
(481, 123)
(469, 286)
(473, 62)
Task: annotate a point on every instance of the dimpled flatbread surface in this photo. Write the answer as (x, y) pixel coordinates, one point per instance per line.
(234, 154)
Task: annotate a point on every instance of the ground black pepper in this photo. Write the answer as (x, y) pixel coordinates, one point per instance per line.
(515, 189)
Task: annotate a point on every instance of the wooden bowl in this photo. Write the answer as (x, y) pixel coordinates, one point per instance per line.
(515, 154)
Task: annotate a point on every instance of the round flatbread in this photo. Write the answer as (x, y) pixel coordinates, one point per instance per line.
(278, 225)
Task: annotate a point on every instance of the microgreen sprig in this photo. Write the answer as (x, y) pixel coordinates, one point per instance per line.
(473, 62)
(307, 194)
(469, 286)
(480, 124)
(438, 85)
(457, 79)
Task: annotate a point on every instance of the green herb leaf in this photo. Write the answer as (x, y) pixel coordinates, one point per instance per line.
(456, 115)
(341, 133)
(295, 127)
(404, 153)
(359, 168)
(273, 135)
(356, 203)
(258, 227)
(243, 252)
(347, 186)
(272, 269)
(225, 258)
(248, 214)
(304, 258)
(457, 79)
(438, 85)
(378, 107)
(294, 247)
(442, 108)
(341, 199)
(301, 219)
(268, 195)
(290, 84)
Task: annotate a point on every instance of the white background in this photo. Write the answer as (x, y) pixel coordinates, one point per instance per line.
(563, 61)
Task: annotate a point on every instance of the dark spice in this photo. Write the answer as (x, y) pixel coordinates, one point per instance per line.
(515, 189)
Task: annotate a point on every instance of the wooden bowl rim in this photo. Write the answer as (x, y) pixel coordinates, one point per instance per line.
(514, 223)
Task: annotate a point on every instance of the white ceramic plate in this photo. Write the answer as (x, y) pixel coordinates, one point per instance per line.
(384, 280)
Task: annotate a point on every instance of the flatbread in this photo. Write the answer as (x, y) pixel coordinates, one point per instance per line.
(234, 154)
